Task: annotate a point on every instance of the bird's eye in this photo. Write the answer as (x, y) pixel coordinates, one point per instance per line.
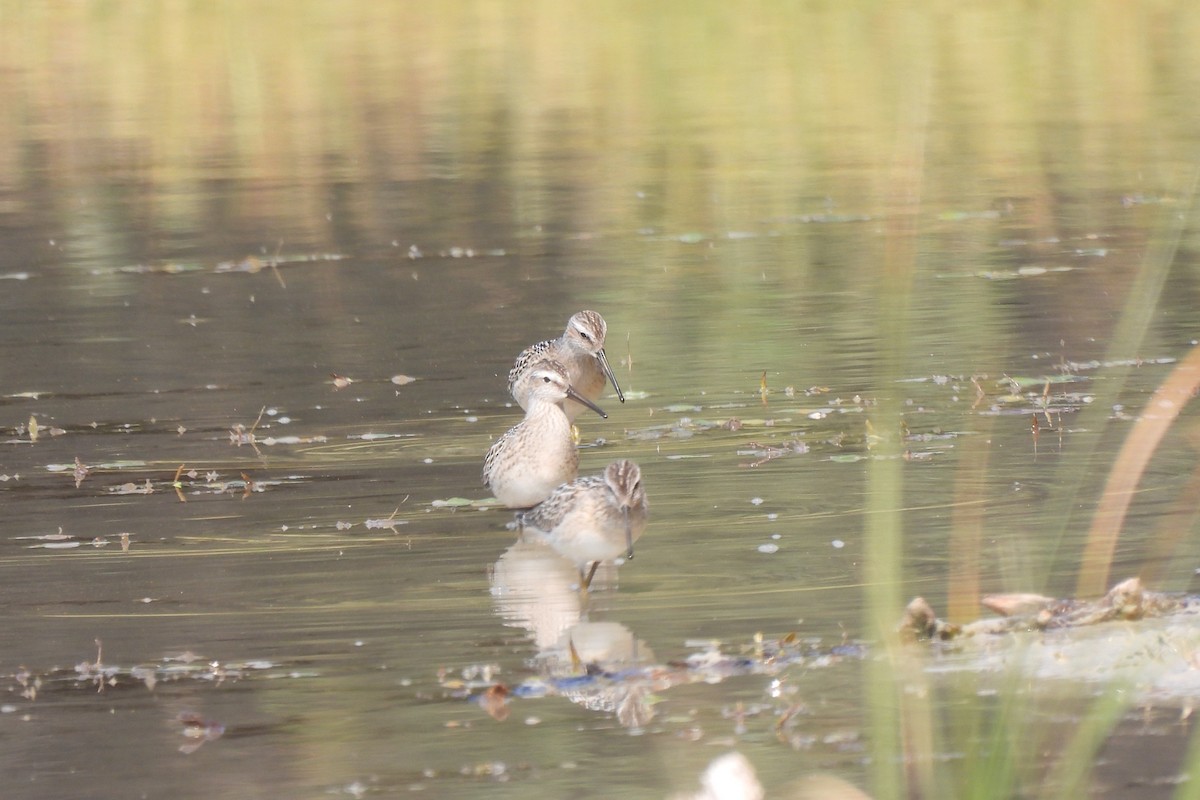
(545, 378)
(586, 338)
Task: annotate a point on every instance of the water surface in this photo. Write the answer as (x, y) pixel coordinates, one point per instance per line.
(209, 215)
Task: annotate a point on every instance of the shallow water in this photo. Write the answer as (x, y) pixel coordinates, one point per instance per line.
(207, 215)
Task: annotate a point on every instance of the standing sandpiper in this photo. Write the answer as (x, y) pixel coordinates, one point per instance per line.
(538, 454)
(592, 519)
(581, 350)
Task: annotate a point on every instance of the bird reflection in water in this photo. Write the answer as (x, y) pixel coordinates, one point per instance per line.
(595, 664)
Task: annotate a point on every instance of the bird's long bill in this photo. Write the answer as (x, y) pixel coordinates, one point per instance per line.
(611, 377)
(628, 536)
(578, 398)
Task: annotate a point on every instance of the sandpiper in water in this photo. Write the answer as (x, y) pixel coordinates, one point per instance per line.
(538, 454)
(592, 519)
(581, 350)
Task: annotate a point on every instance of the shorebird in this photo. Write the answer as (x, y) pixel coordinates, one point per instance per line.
(538, 454)
(581, 350)
(592, 519)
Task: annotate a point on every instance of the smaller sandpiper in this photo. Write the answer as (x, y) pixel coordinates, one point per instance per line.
(592, 519)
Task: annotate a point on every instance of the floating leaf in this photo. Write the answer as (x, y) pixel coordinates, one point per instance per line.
(274, 440)
(388, 523)
(452, 502)
(401, 380)
(494, 700)
(1037, 382)
(49, 537)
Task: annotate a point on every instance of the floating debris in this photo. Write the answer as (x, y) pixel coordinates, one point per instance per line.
(1028, 271)
(682, 428)
(1083, 366)
(1139, 199)
(629, 692)
(133, 488)
(1142, 640)
(1128, 600)
(387, 523)
(1023, 382)
(198, 730)
(239, 436)
(80, 472)
(250, 265)
(169, 268)
(454, 503)
(211, 483)
(102, 676)
(48, 537)
(494, 700)
(271, 441)
(763, 453)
